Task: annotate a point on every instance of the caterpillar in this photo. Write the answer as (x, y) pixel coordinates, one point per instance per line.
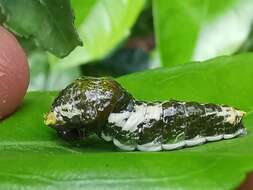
(103, 107)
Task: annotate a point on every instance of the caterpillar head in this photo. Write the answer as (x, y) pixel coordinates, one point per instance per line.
(84, 105)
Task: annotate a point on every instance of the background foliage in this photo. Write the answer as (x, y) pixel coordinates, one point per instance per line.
(149, 33)
(119, 37)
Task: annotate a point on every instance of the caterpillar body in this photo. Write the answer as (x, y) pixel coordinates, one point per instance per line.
(102, 106)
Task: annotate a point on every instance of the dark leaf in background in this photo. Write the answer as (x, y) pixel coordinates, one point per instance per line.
(144, 25)
(28, 45)
(48, 22)
(102, 29)
(133, 55)
(123, 61)
(2, 17)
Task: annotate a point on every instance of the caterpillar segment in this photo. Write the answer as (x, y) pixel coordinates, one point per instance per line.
(172, 125)
(101, 106)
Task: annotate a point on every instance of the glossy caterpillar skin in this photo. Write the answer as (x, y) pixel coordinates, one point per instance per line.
(100, 105)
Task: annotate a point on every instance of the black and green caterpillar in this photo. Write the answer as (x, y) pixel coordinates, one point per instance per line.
(102, 106)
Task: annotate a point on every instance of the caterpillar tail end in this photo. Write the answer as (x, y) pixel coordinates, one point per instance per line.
(50, 119)
(243, 130)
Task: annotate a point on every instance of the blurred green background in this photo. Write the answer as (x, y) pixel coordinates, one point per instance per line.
(121, 37)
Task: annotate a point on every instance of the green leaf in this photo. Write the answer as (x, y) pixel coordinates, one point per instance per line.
(33, 157)
(200, 29)
(48, 22)
(223, 80)
(82, 9)
(108, 23)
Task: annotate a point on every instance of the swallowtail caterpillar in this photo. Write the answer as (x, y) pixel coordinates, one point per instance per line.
(102, 106)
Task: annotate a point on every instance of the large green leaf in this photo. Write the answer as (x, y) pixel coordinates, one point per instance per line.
(82, 9)
(223, 80)
(33, 157)
(107, 24)
(48, 22)
(200, 29)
